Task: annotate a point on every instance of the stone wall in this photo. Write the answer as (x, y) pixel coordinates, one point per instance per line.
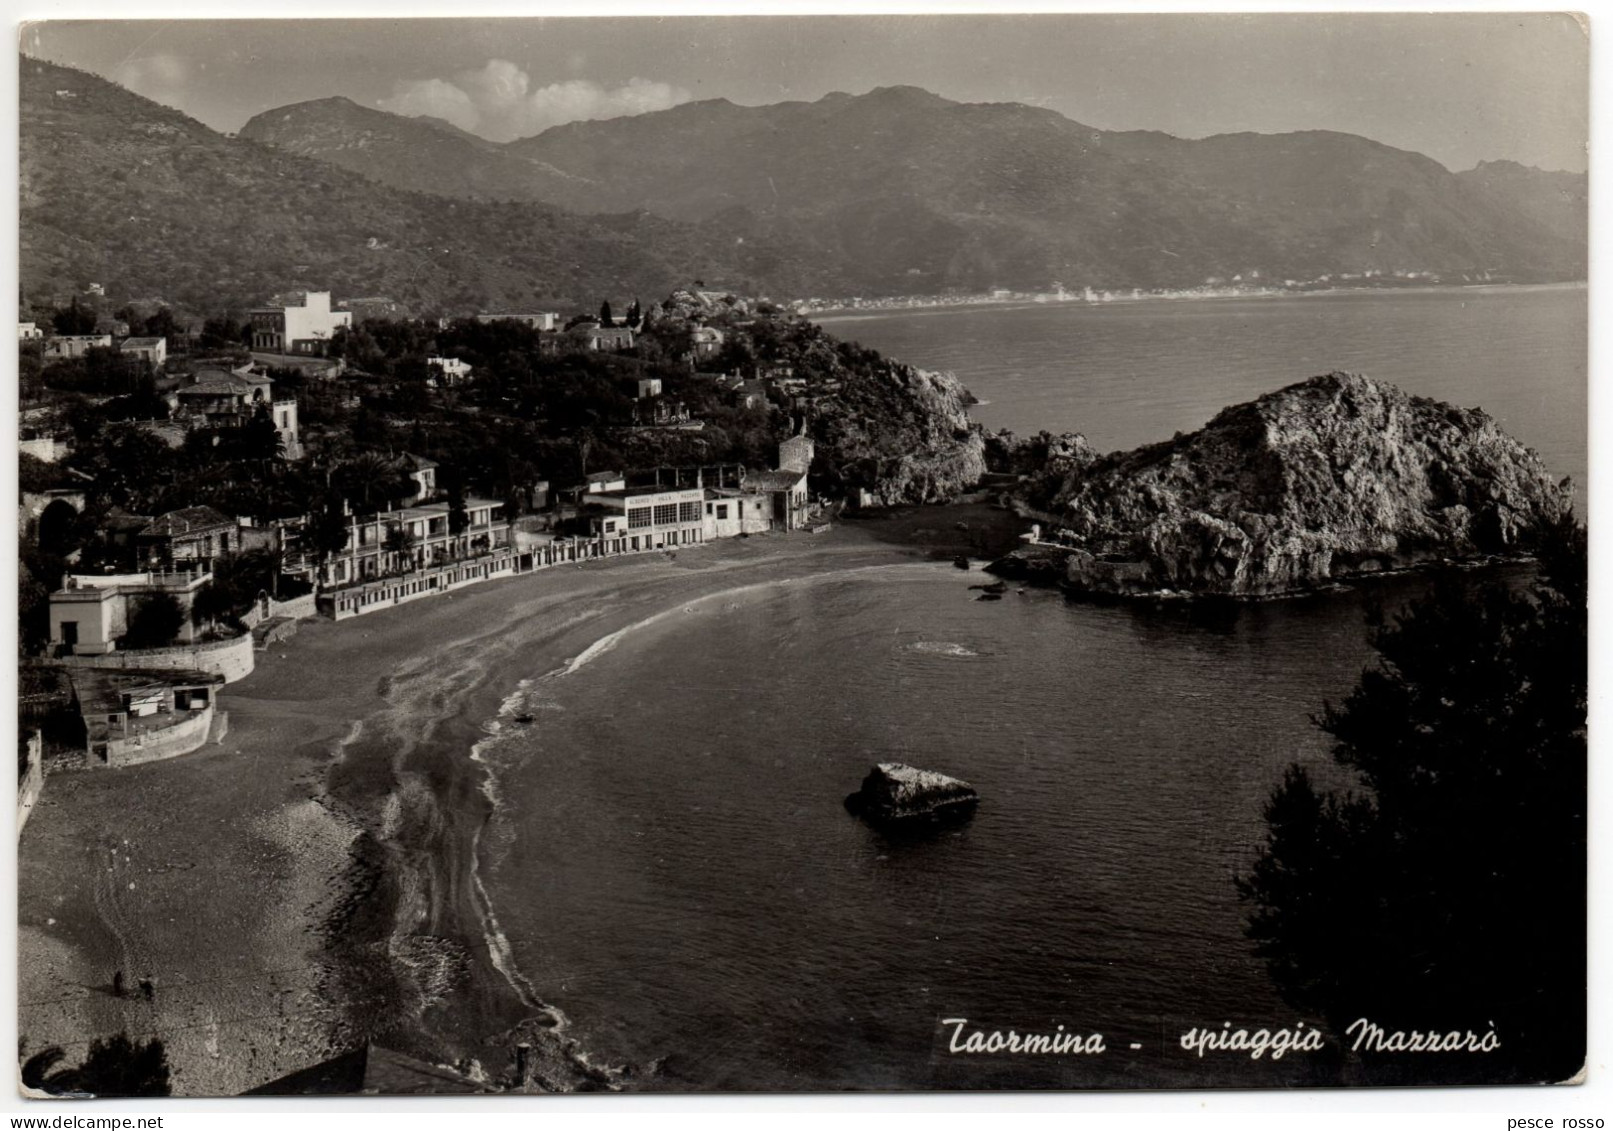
(170, 742)
(33, 780)
(299, 607)
(233, 659)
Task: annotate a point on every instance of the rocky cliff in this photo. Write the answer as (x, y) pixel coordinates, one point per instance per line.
(887, 433)
(917, 446)
(1334, 477)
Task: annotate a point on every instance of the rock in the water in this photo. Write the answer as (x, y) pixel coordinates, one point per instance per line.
(894, 791)
(1331, 478)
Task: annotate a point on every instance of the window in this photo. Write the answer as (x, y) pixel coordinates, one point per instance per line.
(722, 511)
(688, 512)
(638, 518)
(666, 514)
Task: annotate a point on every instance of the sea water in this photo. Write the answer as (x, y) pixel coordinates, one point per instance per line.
(675, 869)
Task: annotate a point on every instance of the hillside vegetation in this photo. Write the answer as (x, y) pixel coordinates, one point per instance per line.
(117, 190)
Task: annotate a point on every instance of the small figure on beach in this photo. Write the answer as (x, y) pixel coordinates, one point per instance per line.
(148, 988)
(117, 984)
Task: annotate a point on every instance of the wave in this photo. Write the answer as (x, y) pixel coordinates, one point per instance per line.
(940, 648)
(605, 643)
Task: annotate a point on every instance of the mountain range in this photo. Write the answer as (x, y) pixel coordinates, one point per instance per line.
(897, 191)
(902, 189)
(117, 190)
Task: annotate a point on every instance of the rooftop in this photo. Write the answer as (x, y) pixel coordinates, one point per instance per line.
(101, 690)
(215, 381)
(143, 343)
(188, 520)
(773, 480)
(639, 492)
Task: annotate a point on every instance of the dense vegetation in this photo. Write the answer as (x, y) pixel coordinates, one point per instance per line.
(117, 1066)
(1447, 890)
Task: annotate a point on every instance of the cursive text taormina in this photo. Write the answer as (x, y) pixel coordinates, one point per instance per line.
(1057, 1043)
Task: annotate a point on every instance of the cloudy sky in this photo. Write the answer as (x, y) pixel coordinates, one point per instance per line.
(1461, 88)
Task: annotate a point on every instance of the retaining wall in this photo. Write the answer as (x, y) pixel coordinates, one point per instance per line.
(233, 659)
(32, 782)
(170, 742)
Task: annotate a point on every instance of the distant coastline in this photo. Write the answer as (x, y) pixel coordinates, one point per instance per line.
(877, 308)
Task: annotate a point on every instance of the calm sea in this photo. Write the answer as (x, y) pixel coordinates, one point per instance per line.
(1133, 373)
(676, 870)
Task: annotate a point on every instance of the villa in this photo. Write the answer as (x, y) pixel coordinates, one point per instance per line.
(300, 323)
(153, 351)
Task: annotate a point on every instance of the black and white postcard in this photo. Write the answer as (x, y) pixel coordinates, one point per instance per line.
(790, 554)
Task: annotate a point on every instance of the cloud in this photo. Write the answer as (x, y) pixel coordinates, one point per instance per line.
(499, 101)
(159, 77)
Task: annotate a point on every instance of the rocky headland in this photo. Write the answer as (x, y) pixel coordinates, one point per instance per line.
(1332, 478)
(902, 438)
(896, 793)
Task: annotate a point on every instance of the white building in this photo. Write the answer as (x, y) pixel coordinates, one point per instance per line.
(90, 613)
(648, 518)
(151, 350)
(447, 371)
(76, 345)
(303, 323)
(28, 332)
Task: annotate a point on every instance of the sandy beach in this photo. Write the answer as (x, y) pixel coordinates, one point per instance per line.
(308, 883)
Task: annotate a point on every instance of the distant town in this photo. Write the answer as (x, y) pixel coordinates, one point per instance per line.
(1215, 286)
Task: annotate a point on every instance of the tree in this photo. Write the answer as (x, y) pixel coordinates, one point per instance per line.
(1449, 891)
(74, 319)
(373, 479)
(154, 622)
(216, 601)
(326, 531)
(116, 1066)
(258, 440)
(604, 314)
(400, 542)
(458, 517)
(33, 612)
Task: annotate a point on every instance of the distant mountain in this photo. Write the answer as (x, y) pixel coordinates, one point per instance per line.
(900, 190)
(117, 190)
(422, 154)
(1556, 202)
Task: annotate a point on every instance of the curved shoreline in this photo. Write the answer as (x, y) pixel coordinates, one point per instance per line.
(337, 824)
(500, 950)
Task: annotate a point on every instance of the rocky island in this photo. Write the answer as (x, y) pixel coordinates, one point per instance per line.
(1331, 478)
(896, 793)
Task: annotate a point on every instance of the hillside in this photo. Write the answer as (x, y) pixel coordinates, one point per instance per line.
(420, 154)
(1557, 202)
(902, 191)
(1333, 477)
(118, 190)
